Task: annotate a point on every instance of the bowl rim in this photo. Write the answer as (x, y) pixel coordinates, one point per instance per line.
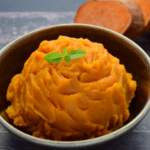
(82, 143)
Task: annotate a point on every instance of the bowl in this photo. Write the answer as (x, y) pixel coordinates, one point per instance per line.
(136, 61)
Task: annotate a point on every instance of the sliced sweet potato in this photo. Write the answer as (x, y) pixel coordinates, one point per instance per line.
(145, 8)
(124, 17)
(137, 25)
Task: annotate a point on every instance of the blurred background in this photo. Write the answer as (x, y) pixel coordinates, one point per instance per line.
(19, 17)
(40, 5)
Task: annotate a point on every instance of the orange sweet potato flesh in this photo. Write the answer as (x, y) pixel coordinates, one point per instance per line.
(86, 98)
(122, 16)
(145, 8)
(108, 14)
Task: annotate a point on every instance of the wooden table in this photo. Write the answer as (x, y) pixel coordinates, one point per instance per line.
(14, 25)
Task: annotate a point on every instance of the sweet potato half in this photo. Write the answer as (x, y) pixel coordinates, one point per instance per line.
(145, 8)
(122, 16)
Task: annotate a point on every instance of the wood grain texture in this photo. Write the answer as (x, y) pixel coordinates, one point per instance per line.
(16, 24)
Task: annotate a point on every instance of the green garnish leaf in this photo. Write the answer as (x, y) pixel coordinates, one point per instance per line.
(55, 57)
(67, 58)
(65, 52)
(76, 53)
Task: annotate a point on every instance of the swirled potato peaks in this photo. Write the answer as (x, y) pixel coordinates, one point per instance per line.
(86, 98)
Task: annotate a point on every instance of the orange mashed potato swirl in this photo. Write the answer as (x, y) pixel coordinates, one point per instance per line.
(86, 98)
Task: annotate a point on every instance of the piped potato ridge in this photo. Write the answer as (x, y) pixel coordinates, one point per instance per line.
(84, 99)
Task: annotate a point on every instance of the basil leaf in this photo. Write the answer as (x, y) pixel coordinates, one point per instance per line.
(67, 59)
(65, 52)
(53, 57)
(76, 53)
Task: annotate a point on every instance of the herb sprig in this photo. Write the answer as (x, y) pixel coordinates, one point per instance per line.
(56, 57)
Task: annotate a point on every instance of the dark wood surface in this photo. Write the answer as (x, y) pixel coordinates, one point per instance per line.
(16, 24)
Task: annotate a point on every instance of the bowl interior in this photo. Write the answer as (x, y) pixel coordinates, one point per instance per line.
(15, 54)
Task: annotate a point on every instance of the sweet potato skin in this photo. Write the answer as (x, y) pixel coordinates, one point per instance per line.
(145, 8)
(137, 24)
(86, 98)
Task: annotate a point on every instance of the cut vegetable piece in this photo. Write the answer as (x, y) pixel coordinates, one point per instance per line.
(145, 8)
(115, 15)
(137, 24)
(109, 14)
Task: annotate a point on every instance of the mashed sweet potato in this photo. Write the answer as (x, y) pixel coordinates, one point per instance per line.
(86, 98)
